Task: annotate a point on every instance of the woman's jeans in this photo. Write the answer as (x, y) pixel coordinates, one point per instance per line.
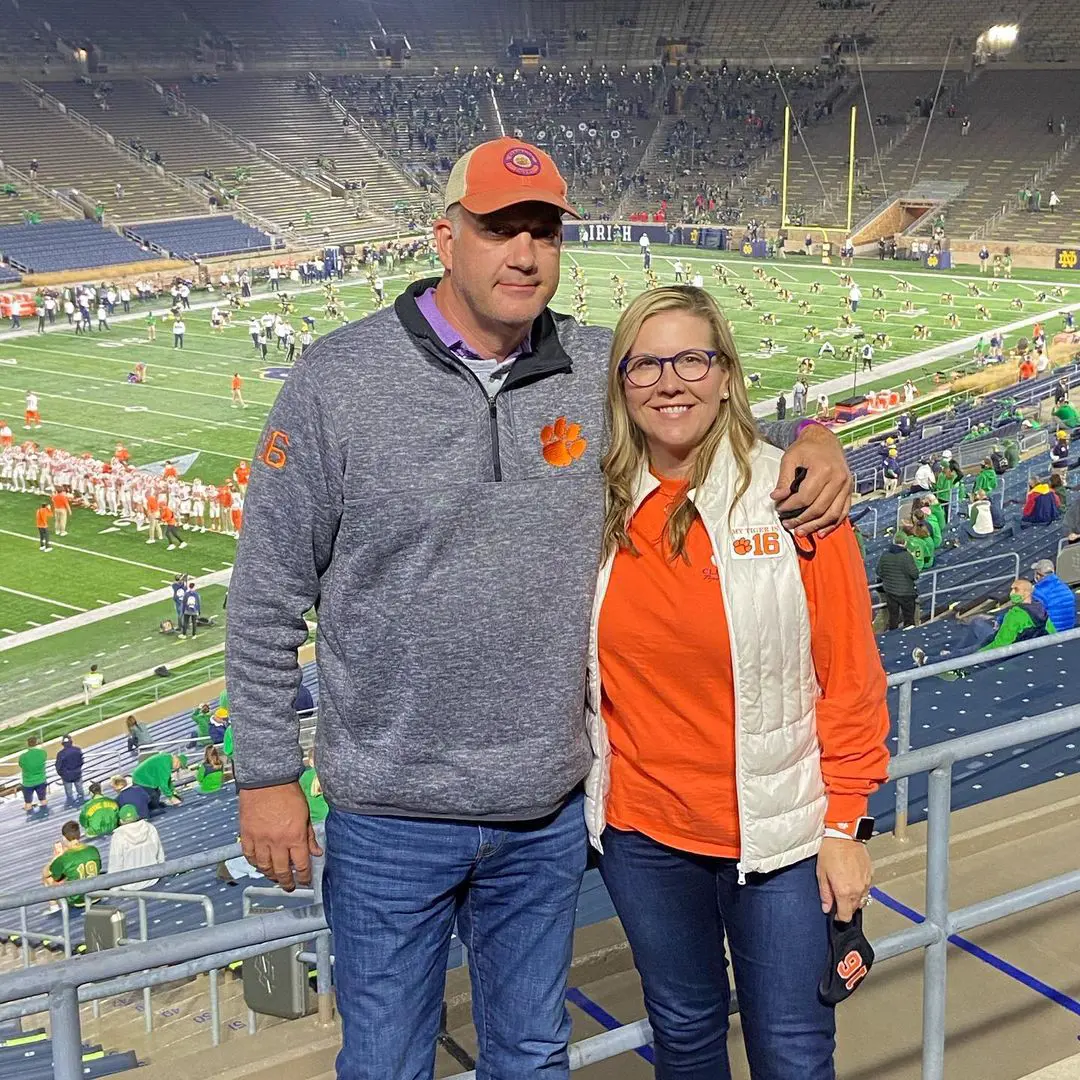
(676, 909)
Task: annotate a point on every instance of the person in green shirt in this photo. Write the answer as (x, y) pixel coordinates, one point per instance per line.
(223, 700)
(925, 515)
(100, 815)
(312, 789)
(200, 717)
(32, 762)
(1067, 414)
(211, 771)
(1011, 449)
(918, 541)
(75, 861)
(987, 479)
(227, 742)
(155, 774)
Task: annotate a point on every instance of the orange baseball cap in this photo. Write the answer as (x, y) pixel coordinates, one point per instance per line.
(502, 172)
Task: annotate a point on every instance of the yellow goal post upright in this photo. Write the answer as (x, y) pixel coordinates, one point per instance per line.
(785, 222)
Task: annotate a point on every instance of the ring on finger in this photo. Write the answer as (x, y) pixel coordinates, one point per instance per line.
(866, 901)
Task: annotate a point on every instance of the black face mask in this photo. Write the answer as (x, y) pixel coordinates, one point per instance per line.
(850, 958)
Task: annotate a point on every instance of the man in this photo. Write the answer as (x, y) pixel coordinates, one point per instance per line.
(178, 329)
(1041, 506)
(1023, 619)
(192, 610)
(1054, 595)
(61, 503)
(75, 861)
(898, 574)
(41, 518)
(925, 478)
(155, 775)
(455, 783)
(781, 406)
(129, 794)
(69, 767)
(135, 843)
(179, 589)
(798, 397)
(237, 396)
(168, 525)
(32, 764)
(854, 296)
(100, 814)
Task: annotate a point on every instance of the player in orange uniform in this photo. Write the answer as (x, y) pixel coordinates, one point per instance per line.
(44, 512)
(6, 438)
(224, 501)
(121, 454)
(237, 512)
(237, 397)
(169, 472)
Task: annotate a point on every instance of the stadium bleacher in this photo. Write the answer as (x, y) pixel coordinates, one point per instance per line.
(205, 237)
(66, 245)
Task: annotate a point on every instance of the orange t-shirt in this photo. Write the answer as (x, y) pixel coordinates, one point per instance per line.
(668, 694)
(224, 497)
(167, 515)
(169, 472)
(60, 501)
(43, 515)
(241, 474)
(236, 382)
(151, 504)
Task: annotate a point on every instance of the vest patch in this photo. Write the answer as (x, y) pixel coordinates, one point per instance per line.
(760, 542)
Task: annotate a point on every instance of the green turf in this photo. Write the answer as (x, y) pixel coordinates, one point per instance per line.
(87, 405)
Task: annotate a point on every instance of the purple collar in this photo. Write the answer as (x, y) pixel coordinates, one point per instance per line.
(451, 338)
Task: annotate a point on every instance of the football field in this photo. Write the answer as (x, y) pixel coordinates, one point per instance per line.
(184, 412)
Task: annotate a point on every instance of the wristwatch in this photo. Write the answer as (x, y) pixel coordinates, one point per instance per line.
(860, 829)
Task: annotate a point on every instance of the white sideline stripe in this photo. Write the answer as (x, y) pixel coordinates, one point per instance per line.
(86, 618)
(88, 551)
(43, 599)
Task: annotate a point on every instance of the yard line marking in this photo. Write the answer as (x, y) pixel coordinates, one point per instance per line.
(5, 630)
(127, 596)
(34, 596)
(30, 622)
(51, 671)
(88, 551)
(74, 663)
(26, 680)
(146, 588)
(778, 271)
(53, 615)
(104, 602)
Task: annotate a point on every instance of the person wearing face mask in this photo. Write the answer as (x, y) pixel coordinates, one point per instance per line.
(736, 708)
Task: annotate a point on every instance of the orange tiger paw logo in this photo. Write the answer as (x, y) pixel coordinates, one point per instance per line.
(742, 546)
(562, 443)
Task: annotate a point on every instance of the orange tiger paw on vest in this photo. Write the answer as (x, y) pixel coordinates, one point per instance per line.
(562, 442)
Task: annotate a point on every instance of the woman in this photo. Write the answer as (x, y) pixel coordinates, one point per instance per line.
(211, 771)
(137, 735)
(711, 634)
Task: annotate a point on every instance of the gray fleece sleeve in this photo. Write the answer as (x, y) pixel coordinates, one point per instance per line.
(780, 433)
(291, 516)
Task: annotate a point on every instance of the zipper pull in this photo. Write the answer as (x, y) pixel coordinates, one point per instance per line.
(742, 874)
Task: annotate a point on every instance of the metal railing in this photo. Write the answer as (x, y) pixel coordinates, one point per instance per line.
(142, 896)
(963, 586)
(60, 987)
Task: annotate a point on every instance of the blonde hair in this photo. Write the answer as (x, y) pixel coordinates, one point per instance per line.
(628, 451)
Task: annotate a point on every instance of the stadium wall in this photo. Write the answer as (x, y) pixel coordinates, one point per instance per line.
(115, 272)
(1034, 256)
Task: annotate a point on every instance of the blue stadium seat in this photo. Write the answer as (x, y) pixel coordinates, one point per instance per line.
(202, 236)
(66, 245)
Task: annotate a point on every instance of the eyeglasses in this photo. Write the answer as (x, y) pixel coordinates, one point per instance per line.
(691, 365)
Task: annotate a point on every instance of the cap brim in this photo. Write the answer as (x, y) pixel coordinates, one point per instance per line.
(490, 201)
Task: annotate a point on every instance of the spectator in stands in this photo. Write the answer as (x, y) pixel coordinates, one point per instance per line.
(925, 478)
(919, 542)
(1054, 595)
(69, 767)
(500, 243)
(219, 724)
(312, 789)
(898, 574)
(137, 735)
(987, 478)
(1066, 413)
(32, 764)
(668, 811)
(1041, 506)
(99, 815)
(890, 471)
(1023, 618)
(1060, 489)
(210, 772)
(74, 860)
(135, 843)
(129, 794)
(1059, 451)
(155, 774)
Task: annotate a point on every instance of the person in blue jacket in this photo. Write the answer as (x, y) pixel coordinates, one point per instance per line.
(192, 610)
(1054, 595)
(69, 767)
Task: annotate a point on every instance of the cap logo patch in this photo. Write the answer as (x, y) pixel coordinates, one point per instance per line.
(521, 161)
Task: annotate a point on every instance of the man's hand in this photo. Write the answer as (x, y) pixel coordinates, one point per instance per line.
(844, 874)
(276, 834)
(824, 497)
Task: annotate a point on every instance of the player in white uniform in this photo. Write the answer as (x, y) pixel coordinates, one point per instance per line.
(198, 505)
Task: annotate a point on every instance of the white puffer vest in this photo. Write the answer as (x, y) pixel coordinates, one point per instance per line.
(781, 793)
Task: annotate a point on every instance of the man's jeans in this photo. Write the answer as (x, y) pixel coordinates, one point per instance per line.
(393, 888)
(676, 909)
(73, 793)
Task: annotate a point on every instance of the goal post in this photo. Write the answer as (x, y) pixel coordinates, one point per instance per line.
(785, 223)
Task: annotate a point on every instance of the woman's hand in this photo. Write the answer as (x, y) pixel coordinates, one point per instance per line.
(824, 497)
(844, 873)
